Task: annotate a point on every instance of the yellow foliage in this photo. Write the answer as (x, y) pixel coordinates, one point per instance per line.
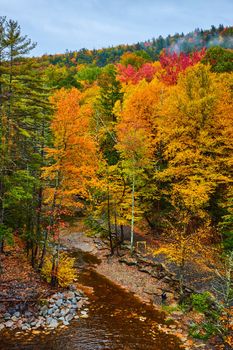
(65, 270)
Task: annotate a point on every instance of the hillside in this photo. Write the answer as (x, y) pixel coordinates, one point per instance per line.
(195, 40)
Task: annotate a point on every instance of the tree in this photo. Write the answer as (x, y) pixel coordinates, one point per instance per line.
(136, 132)
(174, 63)
(24, 107)
(71, 173)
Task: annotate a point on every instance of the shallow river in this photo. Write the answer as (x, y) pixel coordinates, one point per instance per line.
(116, 321)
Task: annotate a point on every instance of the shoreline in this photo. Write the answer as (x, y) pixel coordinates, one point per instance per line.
(127, 276)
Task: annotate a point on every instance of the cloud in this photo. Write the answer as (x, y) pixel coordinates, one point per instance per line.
(58, 25)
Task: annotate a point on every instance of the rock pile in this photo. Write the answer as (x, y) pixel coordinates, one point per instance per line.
(56, 311)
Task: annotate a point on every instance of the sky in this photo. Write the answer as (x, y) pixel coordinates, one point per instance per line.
(60, 25)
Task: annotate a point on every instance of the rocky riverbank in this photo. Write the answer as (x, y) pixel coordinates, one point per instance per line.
(57, 311)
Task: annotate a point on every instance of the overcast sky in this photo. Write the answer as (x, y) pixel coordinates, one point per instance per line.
(57, 25)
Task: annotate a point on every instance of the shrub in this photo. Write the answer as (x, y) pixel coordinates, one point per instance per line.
(65, 271)
(201, 302)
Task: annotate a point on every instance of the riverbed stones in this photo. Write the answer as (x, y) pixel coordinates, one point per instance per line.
(9, 324)
(57, 311)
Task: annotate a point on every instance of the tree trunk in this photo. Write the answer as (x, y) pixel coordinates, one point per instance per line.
(109, 226)
(132, 218)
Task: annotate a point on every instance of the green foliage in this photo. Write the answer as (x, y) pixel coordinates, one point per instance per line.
(6, 234)
(221, 60)
(201, 302)
(204, 330)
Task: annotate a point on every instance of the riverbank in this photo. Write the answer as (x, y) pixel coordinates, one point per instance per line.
(136, 278)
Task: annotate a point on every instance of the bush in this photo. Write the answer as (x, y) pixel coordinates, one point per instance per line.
(65, 272)
(201, 302)
(203, 331)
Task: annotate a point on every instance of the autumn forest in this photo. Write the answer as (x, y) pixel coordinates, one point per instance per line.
(137, 145)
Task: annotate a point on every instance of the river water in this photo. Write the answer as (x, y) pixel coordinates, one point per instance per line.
(117, 320)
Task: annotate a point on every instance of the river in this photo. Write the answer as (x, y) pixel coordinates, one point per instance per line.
(117, 320)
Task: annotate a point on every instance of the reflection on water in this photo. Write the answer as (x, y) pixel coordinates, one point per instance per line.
(116, 321)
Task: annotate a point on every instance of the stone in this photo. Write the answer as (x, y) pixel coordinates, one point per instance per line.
(9, 324)
(25, 327)
(83, 312)
(59, 302)
(17, 314)
(80, 304)
(50, 312)
(44, 309)
(69, 317)
(65, 323)
(64, 312)
(84, 316)
(28, 314)
(2, 326)
(53, 323)
(14, 319)
(7, 316)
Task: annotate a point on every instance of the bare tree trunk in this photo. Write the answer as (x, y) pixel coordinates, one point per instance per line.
(132, 218)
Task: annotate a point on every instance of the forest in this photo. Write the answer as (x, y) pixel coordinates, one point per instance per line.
(129, 138)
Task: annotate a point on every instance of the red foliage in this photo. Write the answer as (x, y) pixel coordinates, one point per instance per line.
(174, 63)
(129, 74)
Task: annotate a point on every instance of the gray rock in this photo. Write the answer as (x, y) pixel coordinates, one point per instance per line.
(62, 318)
(65, 323)
(9, 324)
(59, 302)
(64, 312)
(25, 327)
(28, 313)
(17, 314)
(53, 323)
(50, 311)
(69, 317)
(7, 316)
(44, 310)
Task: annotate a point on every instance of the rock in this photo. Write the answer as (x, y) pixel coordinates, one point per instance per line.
(9, 324)
(69, 317)
(17, 314)
(53, 323)
(59, 302)
(65, 323)
(83, 312)
(2, 326)
(80, 304)
(64, 312)
(44, 310)
(7, 316)
(84, 316)
(14, 319)
(25, 327)
(70, 295)
(28, 314)
(50, 311)
(62, 318)
(128, 261)
(72, 287)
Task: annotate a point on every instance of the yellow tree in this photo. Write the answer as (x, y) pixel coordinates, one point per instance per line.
(136, 132)
(195, 129)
